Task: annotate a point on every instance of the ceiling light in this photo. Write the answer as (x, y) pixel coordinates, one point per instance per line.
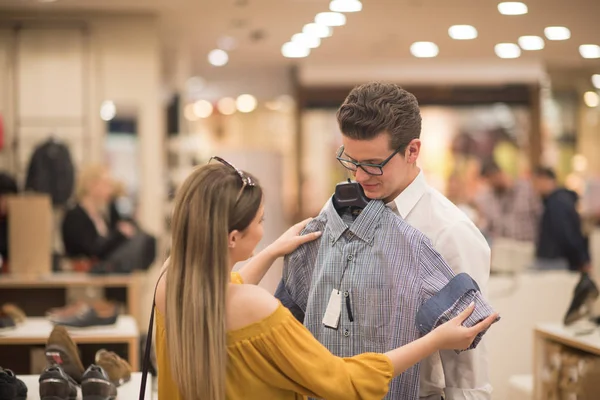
(311, 42)
(189, 113)
(108, 110)
(531, 42)
(294, 50)
(512, 8)
(462, 32)
(507, 50)
(345, 6)
(424, 49)
(330, 19)
(203, 108)
(596, 81)
(589, 51)
(246, 103)
(218, 57)
(227, 43)
(557, 33)
(317, 30)
(226, 106)
(591, 99)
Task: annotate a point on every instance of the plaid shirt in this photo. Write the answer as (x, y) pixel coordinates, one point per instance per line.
(513, 214)
(384, 268)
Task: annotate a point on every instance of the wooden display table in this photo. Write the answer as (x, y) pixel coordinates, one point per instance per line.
(568, 337)
(37, 294)
(123, 337)
(128, 391)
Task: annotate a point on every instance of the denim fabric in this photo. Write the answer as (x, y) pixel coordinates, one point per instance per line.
(450, 301)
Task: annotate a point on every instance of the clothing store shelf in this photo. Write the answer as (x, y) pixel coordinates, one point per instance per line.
(127, 391)
(35, 294)
(36, 330)
(581, 340)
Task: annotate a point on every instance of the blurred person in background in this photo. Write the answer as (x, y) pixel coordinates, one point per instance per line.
(88, 232)
(508, 208)
(8, 187)
(561, 243)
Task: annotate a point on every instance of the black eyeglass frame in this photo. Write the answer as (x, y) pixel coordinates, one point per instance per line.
(362, 166)
(246, 180)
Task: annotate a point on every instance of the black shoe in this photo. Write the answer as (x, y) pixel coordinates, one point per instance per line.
(55, 384)
(11, 388)
(95, 385)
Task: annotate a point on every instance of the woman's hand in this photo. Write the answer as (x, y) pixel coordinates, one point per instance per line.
(291, 239)
(452, 335)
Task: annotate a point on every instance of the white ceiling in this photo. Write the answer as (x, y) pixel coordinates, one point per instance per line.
(380, 34)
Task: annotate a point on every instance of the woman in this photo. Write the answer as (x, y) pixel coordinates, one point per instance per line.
(218, 338)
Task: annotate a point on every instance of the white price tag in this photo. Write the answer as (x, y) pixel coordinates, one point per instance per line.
(334, 310)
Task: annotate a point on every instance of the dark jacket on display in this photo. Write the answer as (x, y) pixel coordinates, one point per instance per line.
(560, 234)
(81, 238)
(51, 171)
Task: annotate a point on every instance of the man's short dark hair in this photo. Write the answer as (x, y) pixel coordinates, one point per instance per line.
(489, 168)
(545, 172)
(374, 108)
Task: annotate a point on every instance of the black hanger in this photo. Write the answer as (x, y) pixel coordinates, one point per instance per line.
(349, 195)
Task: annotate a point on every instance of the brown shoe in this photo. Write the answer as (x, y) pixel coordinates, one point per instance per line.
(118, 370)
(61, 350)
(14, 312)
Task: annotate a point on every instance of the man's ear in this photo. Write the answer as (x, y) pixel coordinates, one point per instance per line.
(412, 151)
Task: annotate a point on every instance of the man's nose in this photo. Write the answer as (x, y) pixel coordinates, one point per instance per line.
(360, 175)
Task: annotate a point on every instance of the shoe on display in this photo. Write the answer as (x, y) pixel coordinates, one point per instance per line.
(98, 313)
(55, 384)
(118, 370)
(96, 385)
(61, 350)
(14, 312)
(11, 388)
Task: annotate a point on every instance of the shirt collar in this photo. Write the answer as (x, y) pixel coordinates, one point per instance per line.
(410, 196)
(364, 225)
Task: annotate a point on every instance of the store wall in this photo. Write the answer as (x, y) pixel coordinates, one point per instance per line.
(56, 74)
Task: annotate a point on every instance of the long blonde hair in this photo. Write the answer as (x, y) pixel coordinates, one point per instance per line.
(205, 212)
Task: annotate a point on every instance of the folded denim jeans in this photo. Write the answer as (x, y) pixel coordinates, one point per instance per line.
(454, 298)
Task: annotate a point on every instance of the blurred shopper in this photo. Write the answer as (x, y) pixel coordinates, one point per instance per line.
(8, 187)
(89, 233)
(219, 339)
(561, 244)
(508, 209)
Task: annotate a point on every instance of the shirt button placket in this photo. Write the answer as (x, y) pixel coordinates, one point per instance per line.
(346, 333)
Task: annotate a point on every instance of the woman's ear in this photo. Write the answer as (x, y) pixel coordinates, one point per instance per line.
(233, 238)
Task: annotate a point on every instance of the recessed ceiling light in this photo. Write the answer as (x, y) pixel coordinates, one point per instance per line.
(531, 42)
(294, 50)
(108, 110)
(345, 6)
(512, 8)
(320, 31)
(591, 99)
(507, 50)
(304, 40)
(424, 49)
(557, 33)
(330, 19)
(246, 103)
(203, 108)
(596, 81)
(589, 51)
(462, 32)
(218, 57)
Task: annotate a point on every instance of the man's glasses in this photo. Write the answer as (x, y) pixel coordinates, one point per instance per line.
(371, 169)
(246, 180)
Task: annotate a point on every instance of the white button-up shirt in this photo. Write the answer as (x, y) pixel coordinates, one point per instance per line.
(461, 376)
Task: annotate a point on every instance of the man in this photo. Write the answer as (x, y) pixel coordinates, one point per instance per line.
(561, 243)
(381, 126)
(510, 209)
